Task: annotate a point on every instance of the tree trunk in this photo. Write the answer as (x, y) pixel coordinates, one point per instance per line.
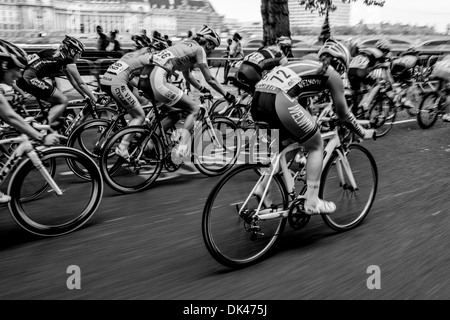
(275, 18)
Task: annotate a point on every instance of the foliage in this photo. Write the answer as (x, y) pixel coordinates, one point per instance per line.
(321, 6)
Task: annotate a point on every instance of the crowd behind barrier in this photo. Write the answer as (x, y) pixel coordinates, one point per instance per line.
(95, 63)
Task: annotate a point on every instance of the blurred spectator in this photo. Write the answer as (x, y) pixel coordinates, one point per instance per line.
(167, 40)
(102, 42)
(114, 44)
(236, 50)
(226, 68)
(144, 36)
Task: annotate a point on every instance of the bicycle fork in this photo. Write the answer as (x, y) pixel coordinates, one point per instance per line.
(32, 154)
(341, 166)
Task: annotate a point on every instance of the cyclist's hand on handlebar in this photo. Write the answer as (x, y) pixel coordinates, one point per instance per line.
(50, 139)
(230, 98)
(204, 90)
(370, 134)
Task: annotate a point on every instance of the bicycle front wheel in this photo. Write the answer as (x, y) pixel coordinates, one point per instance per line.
(429, 110)
(227, 227)
(141, 169)
(37, 208)
(352, 204)
(217, 147)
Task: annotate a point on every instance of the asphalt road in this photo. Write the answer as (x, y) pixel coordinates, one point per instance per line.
(149, 245)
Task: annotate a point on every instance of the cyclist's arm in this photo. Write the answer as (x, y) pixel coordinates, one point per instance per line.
(210, 79)
(12, 118)
(17, 89)
(77, 82)
(336, 87)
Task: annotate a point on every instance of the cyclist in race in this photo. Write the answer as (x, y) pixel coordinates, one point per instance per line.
(365, 67)
(441, 71)
(276, 101)
(48, 62)
(12, 61)
(120, 82)
(182, 57)
(256, 64)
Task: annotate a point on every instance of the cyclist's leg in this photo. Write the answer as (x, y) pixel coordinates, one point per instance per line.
(125, 97)
(302, 127)
(59, 104)
(173, 96)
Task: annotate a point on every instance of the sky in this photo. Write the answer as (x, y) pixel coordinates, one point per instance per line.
(433, 13)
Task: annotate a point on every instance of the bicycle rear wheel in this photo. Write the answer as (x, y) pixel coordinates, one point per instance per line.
(226, 232)
(35, 205)
(352, 205)
(382, 115)
(429, 110)
(142, 169)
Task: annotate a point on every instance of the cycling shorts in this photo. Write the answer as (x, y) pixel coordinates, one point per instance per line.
(39, 88)
(280, 112)
(120, 91)
(163, 90)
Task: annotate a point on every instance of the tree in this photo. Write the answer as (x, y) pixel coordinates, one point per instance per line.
(275, 15)
(275, 18)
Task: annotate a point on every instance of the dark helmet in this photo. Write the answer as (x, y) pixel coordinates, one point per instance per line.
(71, 46)
(11, 53)
(285, 44)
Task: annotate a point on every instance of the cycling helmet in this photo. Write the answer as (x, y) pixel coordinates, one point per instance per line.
(383, 45)
(285, 44)
(10, 52)
(339, 52)
(209, 34)
(72, 46)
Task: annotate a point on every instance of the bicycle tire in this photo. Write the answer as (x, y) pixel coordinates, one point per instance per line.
(46, 217)
(217, 107)
(382, 119)
(426, 118)
(352, 205)
(131, 177)
(89, 137)
(206, 159)
(231, 244)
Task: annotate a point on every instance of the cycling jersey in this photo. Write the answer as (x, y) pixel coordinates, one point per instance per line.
(42, 64)
(250, 71)
(276, 98)
(182, 56)
(362, 65)
(115, 81)
(441, 69)
(403, 67)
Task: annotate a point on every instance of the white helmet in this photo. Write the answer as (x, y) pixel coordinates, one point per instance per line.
(209, 34)
(337, 50)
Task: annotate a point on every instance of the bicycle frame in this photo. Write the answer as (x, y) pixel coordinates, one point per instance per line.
(25, 146)
(279, 161)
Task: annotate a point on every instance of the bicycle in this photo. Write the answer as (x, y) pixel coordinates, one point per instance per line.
(215, 148)
(432, 106)
(41, 182)
(238, 231)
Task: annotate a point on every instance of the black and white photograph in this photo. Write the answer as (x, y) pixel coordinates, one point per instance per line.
(224, 158)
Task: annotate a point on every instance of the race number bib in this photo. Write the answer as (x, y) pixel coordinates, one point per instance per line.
(32, 58)
(162, 57)
(255, 57)
(117, 67)
(360, 62)
(281, 78)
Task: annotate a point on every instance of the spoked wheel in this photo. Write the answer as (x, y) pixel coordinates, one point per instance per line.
(217, 148)
(35, 205)
(230, 233)
(353, 204)
(429, 109)
(382, 115)
(143, 167)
